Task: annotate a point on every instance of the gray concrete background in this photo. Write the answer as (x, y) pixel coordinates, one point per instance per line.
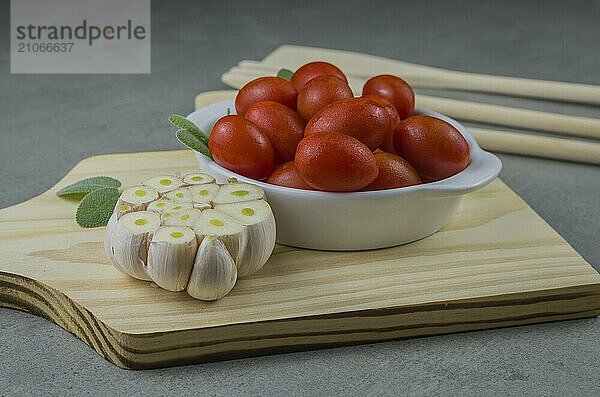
(50, 122)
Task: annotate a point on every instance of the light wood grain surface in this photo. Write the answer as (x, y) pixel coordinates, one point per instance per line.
(496, 264)
(364, 65)
(563, 124)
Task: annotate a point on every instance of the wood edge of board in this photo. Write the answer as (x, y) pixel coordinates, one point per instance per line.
(198, 345)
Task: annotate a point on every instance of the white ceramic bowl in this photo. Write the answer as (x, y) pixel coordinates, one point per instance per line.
(361, 220)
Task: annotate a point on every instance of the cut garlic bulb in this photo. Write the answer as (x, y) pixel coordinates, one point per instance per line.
(164, 183)
(171, 256)
(187, 217)
(236, 192)
(181, 195)
(126, 242)
(214, 273)
(204, 193)
(190, 233)
(137, 197)
(198, 179)
(258, 218)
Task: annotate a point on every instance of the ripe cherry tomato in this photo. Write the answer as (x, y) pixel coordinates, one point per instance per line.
(435, 148)
(283, 127)
(320, 92)
(362, 118)
(335, 162)
(394, 172)
(286, 175)
(239, 146)
(388, 142)
(266, 89)
(395, 90)
(311, 70)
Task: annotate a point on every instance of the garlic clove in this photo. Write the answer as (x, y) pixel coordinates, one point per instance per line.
(198, 179)
(164, 183)
(259, 221)
(171, 256)
(137, 197)
(173, 209)
(181, 195)
(222, 226)
(237, 192)
(214, 273)
(160, 205)
(187, 217)
(178, 207)
(126, 241)
(122, 209)
(204, 193)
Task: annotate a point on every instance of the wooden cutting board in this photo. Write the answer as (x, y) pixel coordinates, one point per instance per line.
(496, 264)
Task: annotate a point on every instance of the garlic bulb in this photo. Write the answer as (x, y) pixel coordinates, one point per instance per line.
(191, 233)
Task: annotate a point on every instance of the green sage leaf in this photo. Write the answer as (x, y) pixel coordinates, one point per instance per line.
(96, 208)
(193, 142)
(190, 127)
(285, 74)
(88, 185)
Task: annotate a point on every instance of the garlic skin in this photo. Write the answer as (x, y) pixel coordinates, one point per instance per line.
(214, 273)
(126, 242)
(171, 256)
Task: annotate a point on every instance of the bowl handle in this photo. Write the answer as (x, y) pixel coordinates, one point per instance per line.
(482, 170)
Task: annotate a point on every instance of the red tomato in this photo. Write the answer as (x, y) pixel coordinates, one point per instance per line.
(362, 118)
(395, 90)
(320, 92)
(388, 142)
(266, 89)
(394, 172)
(311, 70)
(239, 146)
(283, 127)
(335, 162)
(286, 175)
(435, 148)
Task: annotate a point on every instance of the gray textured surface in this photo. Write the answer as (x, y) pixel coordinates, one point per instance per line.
(50, 122)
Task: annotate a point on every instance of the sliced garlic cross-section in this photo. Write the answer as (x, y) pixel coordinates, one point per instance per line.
(191, 233)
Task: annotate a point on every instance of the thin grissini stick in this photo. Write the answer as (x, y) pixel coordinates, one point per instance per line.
(586, 127)
(538, 146)
(513, 117)
(423, 76)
